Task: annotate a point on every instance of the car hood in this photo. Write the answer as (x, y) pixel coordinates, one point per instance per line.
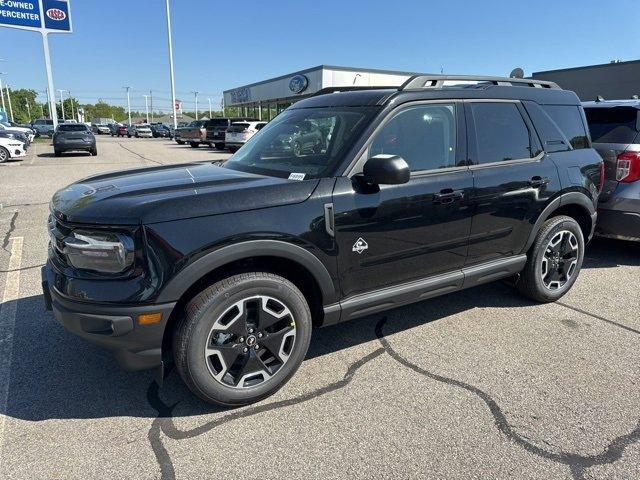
(172, 192)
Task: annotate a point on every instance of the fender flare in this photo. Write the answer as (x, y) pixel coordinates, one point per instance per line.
(184, 279)
(571, 198)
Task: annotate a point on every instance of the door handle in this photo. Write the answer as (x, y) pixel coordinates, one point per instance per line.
(538, 181)
(447, 195)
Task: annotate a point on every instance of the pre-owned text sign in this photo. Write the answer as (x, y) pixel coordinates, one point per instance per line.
(43, 15)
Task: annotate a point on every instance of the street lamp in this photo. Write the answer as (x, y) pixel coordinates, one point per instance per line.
(9, 99)
(62, 103)
(173, 85)
(146, 105)
(73, 114)
(195, 94)
(4, 108)
(128, 103)
(210, 116)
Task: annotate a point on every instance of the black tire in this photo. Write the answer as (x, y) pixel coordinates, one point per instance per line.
(128, 135)
(179, 142)
(4, 155)
(94, 151)
(57, 153)
(192, 334)
(194, 144)
(531, 283)
(219, 146)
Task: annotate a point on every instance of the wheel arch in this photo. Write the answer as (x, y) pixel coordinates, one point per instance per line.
(573, 204)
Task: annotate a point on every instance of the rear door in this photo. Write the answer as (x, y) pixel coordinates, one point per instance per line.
(614, 130)
(513, 178)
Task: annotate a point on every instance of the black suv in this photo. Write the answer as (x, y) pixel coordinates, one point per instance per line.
(442, 184)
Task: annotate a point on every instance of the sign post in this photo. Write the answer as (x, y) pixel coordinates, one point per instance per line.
(44, 16)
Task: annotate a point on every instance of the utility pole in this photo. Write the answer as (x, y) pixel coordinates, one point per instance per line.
(210, 115)
(128, 103)
(62, 104)
(195, 94)
(9, 100)
(173, 85)
(4, 108)
(73, 115)
(146, 105)
(151, 98)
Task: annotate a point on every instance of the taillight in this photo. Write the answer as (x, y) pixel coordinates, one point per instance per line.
(628, 167)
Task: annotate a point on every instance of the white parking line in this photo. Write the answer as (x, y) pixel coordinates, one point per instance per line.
(8, 309)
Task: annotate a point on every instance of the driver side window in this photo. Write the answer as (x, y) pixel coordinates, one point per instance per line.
(424, 135)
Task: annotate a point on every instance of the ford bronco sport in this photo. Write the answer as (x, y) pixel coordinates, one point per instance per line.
(442, 184)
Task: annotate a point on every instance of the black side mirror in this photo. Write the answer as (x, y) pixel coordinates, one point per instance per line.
(386, 170)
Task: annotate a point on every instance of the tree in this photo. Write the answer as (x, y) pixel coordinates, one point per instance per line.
(19, 100)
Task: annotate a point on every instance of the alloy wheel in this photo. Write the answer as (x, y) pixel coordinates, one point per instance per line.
(250, 342)
(4, 155)
(560, 260)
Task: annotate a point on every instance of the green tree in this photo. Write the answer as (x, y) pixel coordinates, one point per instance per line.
(23, 101)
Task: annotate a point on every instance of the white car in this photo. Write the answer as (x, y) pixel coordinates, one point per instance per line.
(239, 132)
(11, 148)
(27, 131)
(141, 130)
(101, 129)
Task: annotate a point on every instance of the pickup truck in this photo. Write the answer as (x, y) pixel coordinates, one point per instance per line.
(195, 133)
(210, 132)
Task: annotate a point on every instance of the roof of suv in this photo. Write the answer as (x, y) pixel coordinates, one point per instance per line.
(485, 87)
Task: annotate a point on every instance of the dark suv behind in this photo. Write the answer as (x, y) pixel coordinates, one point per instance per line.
(615, 127)
(442, 184)
(217, 127)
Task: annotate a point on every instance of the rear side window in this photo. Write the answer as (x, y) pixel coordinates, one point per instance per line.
(501, 132)
(569, 120)
(612, 125)
(424, 135)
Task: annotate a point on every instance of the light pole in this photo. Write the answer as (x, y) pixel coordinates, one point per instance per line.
(29, 111)
(4, 108)
(73, 114)
(146, 105)
(151, 102)
(210, 115)
(195, 94)
(9, 99)
(128, 103)
(62, 103)
(173, 85)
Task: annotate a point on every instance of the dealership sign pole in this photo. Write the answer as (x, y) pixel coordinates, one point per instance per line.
(44, 16)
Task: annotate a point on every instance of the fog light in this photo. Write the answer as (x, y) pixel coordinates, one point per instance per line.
(149, 318)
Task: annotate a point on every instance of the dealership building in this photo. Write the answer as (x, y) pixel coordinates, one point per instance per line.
(265, 99)
(612, 81)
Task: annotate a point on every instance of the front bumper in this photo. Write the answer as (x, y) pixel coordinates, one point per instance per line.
(114, 327)
(17, 151)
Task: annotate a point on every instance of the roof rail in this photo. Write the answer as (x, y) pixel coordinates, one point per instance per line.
(438, 81)
(326, 90)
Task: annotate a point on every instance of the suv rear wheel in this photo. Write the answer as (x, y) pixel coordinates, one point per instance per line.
(4, 155)
(242, 338)
(555, 260)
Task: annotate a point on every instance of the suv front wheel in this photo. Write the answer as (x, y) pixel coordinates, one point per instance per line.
(242, 338)
(555, 260)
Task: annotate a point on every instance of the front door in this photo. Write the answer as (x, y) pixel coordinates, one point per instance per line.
(392, 234)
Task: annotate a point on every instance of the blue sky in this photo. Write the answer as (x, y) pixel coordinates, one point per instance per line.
(223, 44)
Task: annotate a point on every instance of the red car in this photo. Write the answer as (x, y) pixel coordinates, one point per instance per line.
(121, 131)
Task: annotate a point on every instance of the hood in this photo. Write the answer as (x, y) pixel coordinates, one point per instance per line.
(171, 192)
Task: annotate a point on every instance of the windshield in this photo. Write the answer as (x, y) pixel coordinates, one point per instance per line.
(71, 127)
(612, 125)
(308, 142)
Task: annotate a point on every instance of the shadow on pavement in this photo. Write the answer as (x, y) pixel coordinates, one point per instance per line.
(608, 253)
(68, 154)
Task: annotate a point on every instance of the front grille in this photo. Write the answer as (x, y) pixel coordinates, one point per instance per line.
(58, 231)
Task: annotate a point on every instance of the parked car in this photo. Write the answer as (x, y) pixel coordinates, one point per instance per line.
(19, 136)
(615, 127)
(418, 191)
(140, 130)
(160, 130)
(195, 133)
(11, 148)
(122, 131)
(74, 137)
(239, 132)
(217, 127)
(113, 128)
(100, 128)
(27, 131)
(177, 135)
(43, 127)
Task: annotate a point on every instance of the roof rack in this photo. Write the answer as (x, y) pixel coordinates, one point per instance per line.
(438, 81)
(326, 90)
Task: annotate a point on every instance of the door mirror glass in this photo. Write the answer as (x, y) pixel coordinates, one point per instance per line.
(386, 170)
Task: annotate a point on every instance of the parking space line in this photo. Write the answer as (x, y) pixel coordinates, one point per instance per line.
(598, 317)
(8, 309)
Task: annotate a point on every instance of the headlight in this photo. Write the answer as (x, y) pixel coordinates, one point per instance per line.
(103, 252)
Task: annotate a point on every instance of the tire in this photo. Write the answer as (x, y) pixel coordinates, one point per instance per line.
(560, 233)
(194, 144)
(219, 146)
(4, 155)
(233, 149)
(57, 153)
(128, 136)
(94, 151)
(220, 302)
(179, 142)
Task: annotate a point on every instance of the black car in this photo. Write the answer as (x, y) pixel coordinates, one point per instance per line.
(74, 137)
(442, 184)
(615, 132)
(159, 130)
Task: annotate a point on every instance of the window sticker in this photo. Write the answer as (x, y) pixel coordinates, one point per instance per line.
(296, 176)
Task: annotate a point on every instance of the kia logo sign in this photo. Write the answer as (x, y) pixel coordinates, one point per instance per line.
(56, 14)
(298, 83)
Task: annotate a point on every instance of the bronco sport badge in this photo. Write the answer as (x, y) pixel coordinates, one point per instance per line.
(360, 246)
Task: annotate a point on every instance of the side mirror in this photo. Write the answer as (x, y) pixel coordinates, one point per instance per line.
(386, 170)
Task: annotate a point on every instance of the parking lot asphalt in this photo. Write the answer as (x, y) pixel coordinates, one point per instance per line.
(476, 384)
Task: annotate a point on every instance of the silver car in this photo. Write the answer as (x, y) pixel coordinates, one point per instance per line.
(615, 127)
